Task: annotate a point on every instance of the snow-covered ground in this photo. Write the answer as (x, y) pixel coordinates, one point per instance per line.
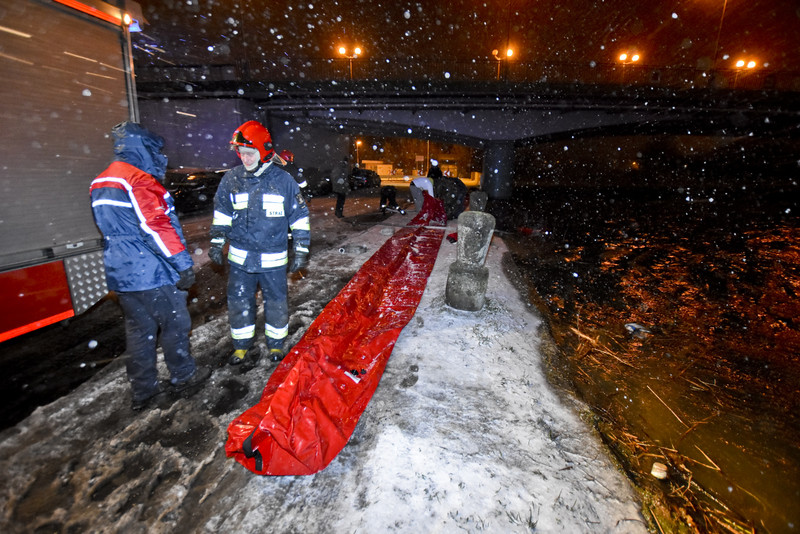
(464, 433)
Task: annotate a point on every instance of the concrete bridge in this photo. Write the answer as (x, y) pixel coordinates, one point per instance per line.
(316, 119)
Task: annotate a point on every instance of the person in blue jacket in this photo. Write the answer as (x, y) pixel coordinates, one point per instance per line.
(255, 204)
(146, 263)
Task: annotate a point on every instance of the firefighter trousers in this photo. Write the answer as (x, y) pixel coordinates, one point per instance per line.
(242, 307)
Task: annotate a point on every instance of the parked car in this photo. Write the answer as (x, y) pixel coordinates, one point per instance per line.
(361, 178)
(319, 185)
(193, 189)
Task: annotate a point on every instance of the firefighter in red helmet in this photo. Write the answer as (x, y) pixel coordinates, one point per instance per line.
(255, 204)
(254, 135)
(286, 158)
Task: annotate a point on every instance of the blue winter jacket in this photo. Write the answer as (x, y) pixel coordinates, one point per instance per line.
(143, 244)
(254, 212)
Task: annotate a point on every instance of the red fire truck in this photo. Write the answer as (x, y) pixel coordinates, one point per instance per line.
(66, 71)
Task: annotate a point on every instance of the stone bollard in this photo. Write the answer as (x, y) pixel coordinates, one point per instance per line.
(468, 277)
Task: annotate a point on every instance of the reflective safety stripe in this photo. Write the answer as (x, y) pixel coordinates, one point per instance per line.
(275, 259)
(301, 224)
(144, 223)
(218, 241)
(236, 255)
(276, 333)
(301, 248)
(239, 200)
(112, 203)
(168, 201)
(245, 332)
(220, 219)
(273, 205)
(268, 260)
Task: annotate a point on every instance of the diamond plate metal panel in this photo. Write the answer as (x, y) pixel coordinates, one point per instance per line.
(87, 280)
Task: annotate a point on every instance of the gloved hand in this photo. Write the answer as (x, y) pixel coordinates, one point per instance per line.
(300, 261)
(187, 279)
(215, 254)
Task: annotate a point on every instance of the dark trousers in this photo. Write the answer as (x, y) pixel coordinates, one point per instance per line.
(147, 312)
(242, 308)
(388, 196)
(340, 198)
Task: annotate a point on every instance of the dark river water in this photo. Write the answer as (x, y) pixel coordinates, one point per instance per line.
(705, 377)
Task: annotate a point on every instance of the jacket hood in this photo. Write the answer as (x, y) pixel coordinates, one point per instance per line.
(139, 147)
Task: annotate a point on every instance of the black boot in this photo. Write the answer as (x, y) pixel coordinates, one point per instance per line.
(159, 399)
(244, 356)
(189, 387)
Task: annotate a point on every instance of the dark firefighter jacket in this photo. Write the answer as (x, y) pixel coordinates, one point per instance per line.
(253, 211)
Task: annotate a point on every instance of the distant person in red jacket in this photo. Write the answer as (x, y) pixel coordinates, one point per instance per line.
(286, 159)
(146, 264)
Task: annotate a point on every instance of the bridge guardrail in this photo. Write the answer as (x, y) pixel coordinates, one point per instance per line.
(511, 71)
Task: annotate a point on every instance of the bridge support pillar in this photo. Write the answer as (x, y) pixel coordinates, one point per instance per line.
(498, 170)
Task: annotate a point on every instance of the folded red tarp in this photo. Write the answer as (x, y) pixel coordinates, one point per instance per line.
(314, 398)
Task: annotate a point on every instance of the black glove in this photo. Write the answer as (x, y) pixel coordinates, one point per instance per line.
(300, 261)
(215, 254)
(187, 279)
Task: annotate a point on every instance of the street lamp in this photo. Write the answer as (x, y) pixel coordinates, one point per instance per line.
(499, 58)
(358, 144)
(742, 64)
(351, 57)
(627, 59)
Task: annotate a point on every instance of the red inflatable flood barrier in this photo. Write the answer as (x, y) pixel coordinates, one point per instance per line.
(314, 398)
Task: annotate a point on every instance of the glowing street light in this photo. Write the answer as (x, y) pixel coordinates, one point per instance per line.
(742, 64)
(499, 58)
(358, 144)
(627, 59)
(356, 52)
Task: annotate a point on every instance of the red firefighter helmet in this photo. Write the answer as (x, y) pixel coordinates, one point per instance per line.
(253, 134)
(287, 155)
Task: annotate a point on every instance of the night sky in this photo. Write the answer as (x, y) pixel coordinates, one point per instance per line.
(672, 33)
